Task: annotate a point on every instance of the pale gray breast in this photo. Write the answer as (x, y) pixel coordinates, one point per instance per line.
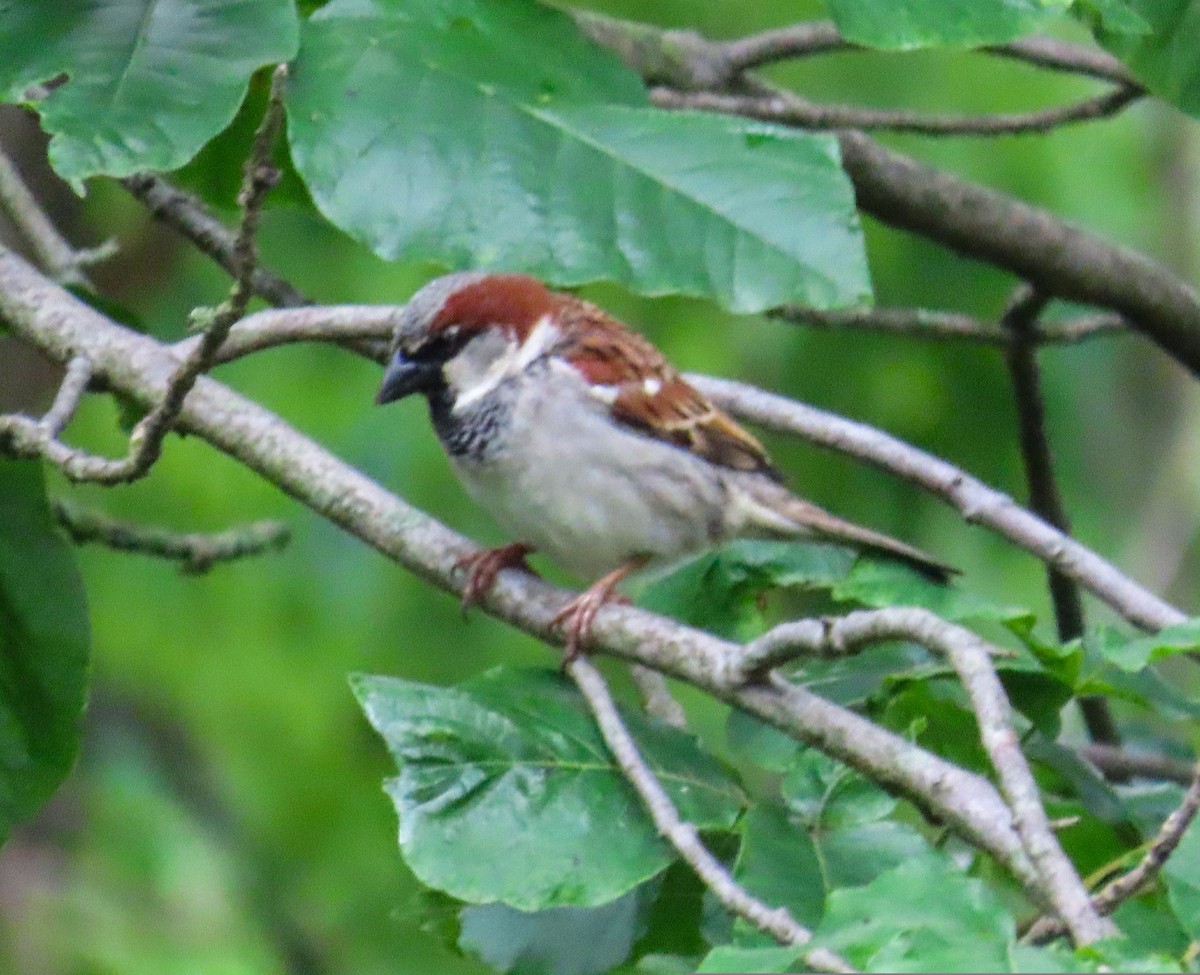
(591, 494)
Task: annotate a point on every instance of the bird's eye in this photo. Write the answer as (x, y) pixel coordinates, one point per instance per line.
(442, 347)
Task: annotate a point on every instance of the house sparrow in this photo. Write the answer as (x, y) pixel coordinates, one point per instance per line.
(586, 444)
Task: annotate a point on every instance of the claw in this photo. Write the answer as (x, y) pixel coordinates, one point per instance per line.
(483, 566)
(576, 617)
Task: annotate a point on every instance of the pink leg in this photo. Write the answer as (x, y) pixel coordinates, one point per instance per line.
(577, 616)
(483, 566)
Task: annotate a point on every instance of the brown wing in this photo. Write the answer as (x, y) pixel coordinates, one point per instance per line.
(645, 391)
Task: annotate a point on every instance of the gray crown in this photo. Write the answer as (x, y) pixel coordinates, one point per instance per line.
(423, 307)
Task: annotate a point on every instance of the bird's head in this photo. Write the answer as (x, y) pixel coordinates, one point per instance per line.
(464, 330)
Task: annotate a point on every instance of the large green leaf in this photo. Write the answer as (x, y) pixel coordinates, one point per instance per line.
(426, 130)
(922, 916)
(904, 24)
(148, 82)
(43, 647)
(507, 793)
(1167, 59)
(558, 940)
(835, 831)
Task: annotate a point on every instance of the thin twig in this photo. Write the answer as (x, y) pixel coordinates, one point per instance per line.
(196, 551)
(977, 502)
(145, 443)
(59, 259)
(775, 921)
(366, 329)
(1056, 55)
(1020, 355)
(788, 108)
(656, 696)
(1165, 841)
(784, 43)
(187, 214)
(970, 656)
(823, 637)
(139, 368)
(688, 57)
(1121, 888)
(66, 401)
(933, 324)
(976, 221)
(1121, 764)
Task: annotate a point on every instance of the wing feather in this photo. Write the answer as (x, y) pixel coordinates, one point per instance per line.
(645, 392)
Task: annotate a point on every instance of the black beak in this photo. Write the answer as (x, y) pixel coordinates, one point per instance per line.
(405, 376)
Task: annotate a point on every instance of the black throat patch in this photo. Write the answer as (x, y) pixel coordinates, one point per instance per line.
(471, 434)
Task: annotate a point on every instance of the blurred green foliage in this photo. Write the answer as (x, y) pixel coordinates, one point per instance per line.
(227, 816)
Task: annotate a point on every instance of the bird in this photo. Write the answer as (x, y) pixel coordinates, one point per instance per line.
(586, 444)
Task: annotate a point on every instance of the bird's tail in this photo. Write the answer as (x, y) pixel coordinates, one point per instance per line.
(774, 511)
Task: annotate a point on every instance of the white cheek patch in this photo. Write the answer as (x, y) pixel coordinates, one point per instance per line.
(652, 386)
(478, 371)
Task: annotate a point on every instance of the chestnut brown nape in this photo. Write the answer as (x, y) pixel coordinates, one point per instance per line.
(516, 301)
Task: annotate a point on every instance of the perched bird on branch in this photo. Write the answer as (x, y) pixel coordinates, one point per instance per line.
(586, 444)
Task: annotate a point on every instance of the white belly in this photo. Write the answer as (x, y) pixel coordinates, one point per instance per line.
(590, 495)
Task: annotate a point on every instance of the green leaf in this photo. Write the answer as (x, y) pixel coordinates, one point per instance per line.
(778, 863)
(1167, 59)
(730, 958)
(1117, 16)
(905, 24)
(554, 165)
(1182, 874)
(44, 642)
(720, 590)
(753, 740)
(1131, 654)
(148, 81)
(934, 713)
(835, 832)
(507, 793)
(558, 940)
(922, 916)
(846, 817)
(877, 583)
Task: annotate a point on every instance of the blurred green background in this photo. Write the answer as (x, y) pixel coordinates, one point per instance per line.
(227, 816)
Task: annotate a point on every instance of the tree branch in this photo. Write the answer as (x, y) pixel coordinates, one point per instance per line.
(777, 921)
(1118, 763)
(978, 503)
(145, 443)
(1052, 255)
(787, 108)
(1056, 55)
(1055, 256)
(59, 259)
(933, 324)
(969, 655)
(675, 56)
(1120, 889)
(140, 368)
(66, 401)
(188, 215)
(1020, 321)
(196, 551)
(656, 696)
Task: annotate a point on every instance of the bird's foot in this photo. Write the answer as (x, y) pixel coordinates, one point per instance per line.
(483, 566)
(576, 617)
